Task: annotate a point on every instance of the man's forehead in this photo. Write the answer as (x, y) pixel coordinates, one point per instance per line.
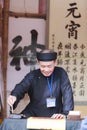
(46, 62)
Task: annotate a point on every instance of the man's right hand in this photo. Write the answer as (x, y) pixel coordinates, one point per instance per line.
(11, 100)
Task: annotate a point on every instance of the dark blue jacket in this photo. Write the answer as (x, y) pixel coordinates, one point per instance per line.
(35, 84)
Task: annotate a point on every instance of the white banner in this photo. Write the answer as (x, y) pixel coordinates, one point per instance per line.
(26, 37)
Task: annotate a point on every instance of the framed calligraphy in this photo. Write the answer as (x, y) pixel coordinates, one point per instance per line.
(67, 36)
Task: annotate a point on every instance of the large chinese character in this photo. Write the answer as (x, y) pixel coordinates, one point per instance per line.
(72, 29)
(72, 11)
(27, 53)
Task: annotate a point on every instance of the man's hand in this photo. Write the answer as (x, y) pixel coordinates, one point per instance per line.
(11, 100)
(58, 116)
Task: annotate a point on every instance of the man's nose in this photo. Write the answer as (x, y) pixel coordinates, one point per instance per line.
(46, 68)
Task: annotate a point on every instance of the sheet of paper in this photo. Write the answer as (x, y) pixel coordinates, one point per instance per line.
(46, 123)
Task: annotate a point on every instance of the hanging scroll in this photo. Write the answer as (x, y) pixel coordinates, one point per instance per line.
(27, 37)
(68, 36)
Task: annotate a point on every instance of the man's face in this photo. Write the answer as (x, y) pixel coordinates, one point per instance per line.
(47, 67)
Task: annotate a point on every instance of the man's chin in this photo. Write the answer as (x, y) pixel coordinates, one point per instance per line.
(46, 75)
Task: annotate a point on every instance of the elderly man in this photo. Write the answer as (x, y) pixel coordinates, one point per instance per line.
(49, 89)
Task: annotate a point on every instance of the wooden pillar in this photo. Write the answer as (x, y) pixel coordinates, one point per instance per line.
(5, 50)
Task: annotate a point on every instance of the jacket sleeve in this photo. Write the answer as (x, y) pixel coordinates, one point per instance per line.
(22, 88)
(68, 101)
